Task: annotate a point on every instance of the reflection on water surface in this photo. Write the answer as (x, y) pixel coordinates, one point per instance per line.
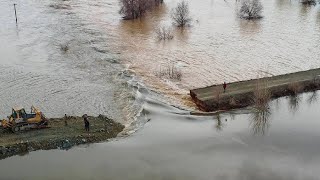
(245, 144)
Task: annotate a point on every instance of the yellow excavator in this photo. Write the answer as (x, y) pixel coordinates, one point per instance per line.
(19, 120)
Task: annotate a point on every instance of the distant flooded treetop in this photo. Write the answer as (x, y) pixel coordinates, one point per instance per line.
(250, 9)
(309, 2)
(181, 14)
(132, 9)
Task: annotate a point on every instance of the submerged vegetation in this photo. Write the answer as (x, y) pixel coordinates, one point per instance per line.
(261, 111)
(133, 9)
(181, 14)
(169, 71)
(164, 33)
(60, 6)
(262, 94)
(64, 48)
(309, 2)
(295, 88)
(250, 9)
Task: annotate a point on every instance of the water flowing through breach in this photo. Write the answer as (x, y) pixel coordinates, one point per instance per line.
(59, 61)
(217, 47)
(65, 55)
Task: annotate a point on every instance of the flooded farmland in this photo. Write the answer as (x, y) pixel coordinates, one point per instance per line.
(75, 57)
(58, 62)
(217, 47)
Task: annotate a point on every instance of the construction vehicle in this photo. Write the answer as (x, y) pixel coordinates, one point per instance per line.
(19, 120)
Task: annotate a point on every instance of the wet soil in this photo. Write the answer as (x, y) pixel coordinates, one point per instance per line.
(59, 135)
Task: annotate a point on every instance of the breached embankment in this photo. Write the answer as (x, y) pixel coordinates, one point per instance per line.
(241, 94)
(59, 135)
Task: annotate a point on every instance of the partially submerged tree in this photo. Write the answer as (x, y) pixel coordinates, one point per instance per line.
(132, 9)
(169, 71)
(181, 14)
(250, 9)
(157, 2)
(309, 2)
(164, 33)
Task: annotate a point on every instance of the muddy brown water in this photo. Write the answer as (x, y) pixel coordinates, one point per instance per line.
(217, 47)
(172, 145)
(35, 70)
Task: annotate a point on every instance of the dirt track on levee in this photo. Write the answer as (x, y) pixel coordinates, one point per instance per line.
(240, 94)
(58, 135)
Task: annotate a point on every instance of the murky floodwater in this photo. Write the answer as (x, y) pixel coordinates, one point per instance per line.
(218, 46)
(281, 145)
(36, 70)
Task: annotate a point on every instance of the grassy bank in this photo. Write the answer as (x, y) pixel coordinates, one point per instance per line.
(59, 135)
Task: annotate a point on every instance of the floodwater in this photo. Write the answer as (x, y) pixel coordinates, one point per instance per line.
(281, 144)
(35, 70)
(106, 61)
(217, 47)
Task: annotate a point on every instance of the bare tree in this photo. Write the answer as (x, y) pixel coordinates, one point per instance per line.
(169, 71)
(143, 6)
(309, 2)
(157, 2)
(262, 94)
(132, 9)
(181, 14)
(164, 33)
(250, 9)
(128, 9)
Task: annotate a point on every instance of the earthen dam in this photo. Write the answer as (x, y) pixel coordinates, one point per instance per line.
(241, 94)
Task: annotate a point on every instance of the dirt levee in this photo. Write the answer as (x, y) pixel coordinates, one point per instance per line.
(63, 133)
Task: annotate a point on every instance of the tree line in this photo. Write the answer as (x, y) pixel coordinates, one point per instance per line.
(133, 9)
(248, 9)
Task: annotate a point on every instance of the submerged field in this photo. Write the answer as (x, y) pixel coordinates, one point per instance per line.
(77, 57)
(217, 47)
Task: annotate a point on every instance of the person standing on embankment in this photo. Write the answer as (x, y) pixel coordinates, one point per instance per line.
(224, 87)
(86, 122)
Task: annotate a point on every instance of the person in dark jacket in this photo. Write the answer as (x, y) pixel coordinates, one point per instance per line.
(65, 120)
(86, 122)
(224, 86)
